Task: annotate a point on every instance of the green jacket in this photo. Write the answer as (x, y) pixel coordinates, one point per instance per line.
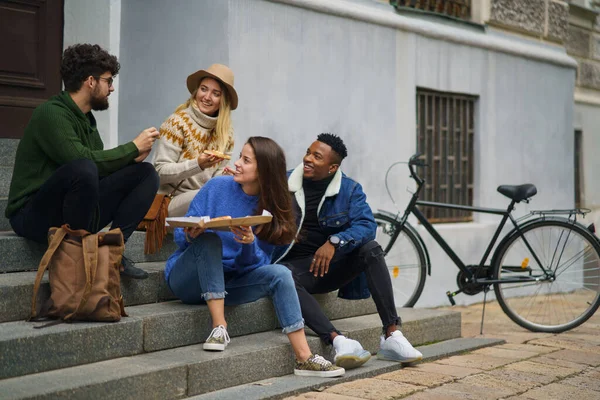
(58, 133)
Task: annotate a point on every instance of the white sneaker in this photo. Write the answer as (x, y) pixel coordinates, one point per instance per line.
(349, 353)
(217, 340)
(397, 348)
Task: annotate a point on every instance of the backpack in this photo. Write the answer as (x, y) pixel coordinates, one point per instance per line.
(83, 270)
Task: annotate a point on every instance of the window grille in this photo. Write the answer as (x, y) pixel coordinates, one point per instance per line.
(445, 133)
(452, 8)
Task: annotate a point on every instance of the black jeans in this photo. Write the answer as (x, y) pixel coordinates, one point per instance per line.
(75, 191)
(343, 269)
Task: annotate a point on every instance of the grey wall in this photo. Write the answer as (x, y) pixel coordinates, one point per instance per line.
(161, 44)
(587, 118)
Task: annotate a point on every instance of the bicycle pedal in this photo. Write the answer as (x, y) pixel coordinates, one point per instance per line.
(451, 297)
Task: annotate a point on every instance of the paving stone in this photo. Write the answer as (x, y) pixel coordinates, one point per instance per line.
(428, 395)
(477, 361)
(541, 369)
(559, 363)
(585, 338)
(556, 391)
(417, 377)
(581, 382)
(471, 392)
(444, 369)
(321, 396)
(529, 348)
(375, 389)
(579, 357)
(562, 342)
(527, 381)
(502, 352)
(528, 16)
(494, 383)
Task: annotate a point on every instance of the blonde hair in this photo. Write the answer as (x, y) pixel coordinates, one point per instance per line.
(223, 128)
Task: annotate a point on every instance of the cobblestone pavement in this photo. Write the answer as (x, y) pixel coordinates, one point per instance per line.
(529, 366)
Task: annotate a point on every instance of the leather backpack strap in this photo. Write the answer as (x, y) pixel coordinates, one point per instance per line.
(90, 260)
(56, 241)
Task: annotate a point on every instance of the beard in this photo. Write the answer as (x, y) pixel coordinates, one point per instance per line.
(98, 102)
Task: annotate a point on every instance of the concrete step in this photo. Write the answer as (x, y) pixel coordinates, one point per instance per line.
(19, 254)
(4, 224)
(149, 328)
(190, 371)
(291, 385)
(5, 178)
(8, 151)
(16, 289)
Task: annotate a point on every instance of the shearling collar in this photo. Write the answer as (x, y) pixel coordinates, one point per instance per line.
(295, 181)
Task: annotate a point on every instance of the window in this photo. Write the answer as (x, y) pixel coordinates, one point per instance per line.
(451, 8)
(445, 130)
(578, 167)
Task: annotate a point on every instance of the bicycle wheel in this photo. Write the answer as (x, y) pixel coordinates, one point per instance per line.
(405, 260)
(566, 299)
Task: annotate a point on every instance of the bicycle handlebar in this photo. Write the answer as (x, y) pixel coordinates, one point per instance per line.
(416, 161)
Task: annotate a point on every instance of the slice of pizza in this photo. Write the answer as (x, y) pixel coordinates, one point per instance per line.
(218, 154)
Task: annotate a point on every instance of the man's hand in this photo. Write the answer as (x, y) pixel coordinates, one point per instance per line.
(145, 140)
(323, 256)
(141, 157)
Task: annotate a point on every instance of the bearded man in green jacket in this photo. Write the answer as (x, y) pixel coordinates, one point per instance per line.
(63, 175)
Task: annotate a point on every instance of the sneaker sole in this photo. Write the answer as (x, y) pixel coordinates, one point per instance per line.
(350, 361)
(320, 374)
(213, 346)
(389, 356)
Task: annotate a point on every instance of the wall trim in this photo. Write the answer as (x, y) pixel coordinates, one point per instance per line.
(363, 12)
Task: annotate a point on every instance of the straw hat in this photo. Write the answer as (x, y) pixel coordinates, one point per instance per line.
(220, 72)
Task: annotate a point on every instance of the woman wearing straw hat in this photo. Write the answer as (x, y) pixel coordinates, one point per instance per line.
(202, 123)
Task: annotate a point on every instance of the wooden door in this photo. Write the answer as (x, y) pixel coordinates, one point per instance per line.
(31, 40)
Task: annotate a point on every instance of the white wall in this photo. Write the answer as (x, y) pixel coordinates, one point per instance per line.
(301, 68)
(97, 22)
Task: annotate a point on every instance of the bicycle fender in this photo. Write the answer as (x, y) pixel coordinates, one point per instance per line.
(421, 243)
(515, 231)
(387, 213)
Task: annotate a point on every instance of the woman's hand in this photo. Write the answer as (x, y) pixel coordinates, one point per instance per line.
(207, 161)
(228, 171)
(243, 234)
(193, 233)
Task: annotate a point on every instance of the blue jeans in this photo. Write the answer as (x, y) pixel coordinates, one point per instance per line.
(198, 275)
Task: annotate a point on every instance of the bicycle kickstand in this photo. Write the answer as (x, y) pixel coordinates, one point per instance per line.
(486, 289)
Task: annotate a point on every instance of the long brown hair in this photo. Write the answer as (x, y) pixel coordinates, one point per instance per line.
(274, 194)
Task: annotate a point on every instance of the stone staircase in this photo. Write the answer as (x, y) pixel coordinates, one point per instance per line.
(156, 352)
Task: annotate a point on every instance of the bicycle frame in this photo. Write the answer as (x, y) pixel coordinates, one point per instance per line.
(506, 215)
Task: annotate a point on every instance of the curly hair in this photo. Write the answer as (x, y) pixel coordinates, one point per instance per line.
(83, 60)
(336, 144)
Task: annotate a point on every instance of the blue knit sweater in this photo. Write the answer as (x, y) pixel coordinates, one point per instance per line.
(218, 197)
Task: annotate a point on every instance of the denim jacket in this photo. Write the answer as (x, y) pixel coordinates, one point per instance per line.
(344, 212)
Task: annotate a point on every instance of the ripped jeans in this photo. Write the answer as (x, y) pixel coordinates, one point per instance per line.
(198, 275)
(343, 269)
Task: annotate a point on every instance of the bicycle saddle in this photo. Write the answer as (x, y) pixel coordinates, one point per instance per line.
(518, 192)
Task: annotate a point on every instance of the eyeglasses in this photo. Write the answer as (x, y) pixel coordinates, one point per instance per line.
(108, 80)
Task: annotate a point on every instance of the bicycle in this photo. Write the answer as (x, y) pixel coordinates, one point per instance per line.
(545, 272)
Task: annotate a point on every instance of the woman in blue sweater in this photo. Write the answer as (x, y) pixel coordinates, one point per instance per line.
(229, 268)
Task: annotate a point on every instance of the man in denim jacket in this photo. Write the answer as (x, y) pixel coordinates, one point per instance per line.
(335, 244)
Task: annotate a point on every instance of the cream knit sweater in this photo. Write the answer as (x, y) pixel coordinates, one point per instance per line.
(183, 137)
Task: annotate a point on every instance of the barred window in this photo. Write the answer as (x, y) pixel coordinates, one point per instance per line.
(451, 8)
(578, 168)
(445, 131)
